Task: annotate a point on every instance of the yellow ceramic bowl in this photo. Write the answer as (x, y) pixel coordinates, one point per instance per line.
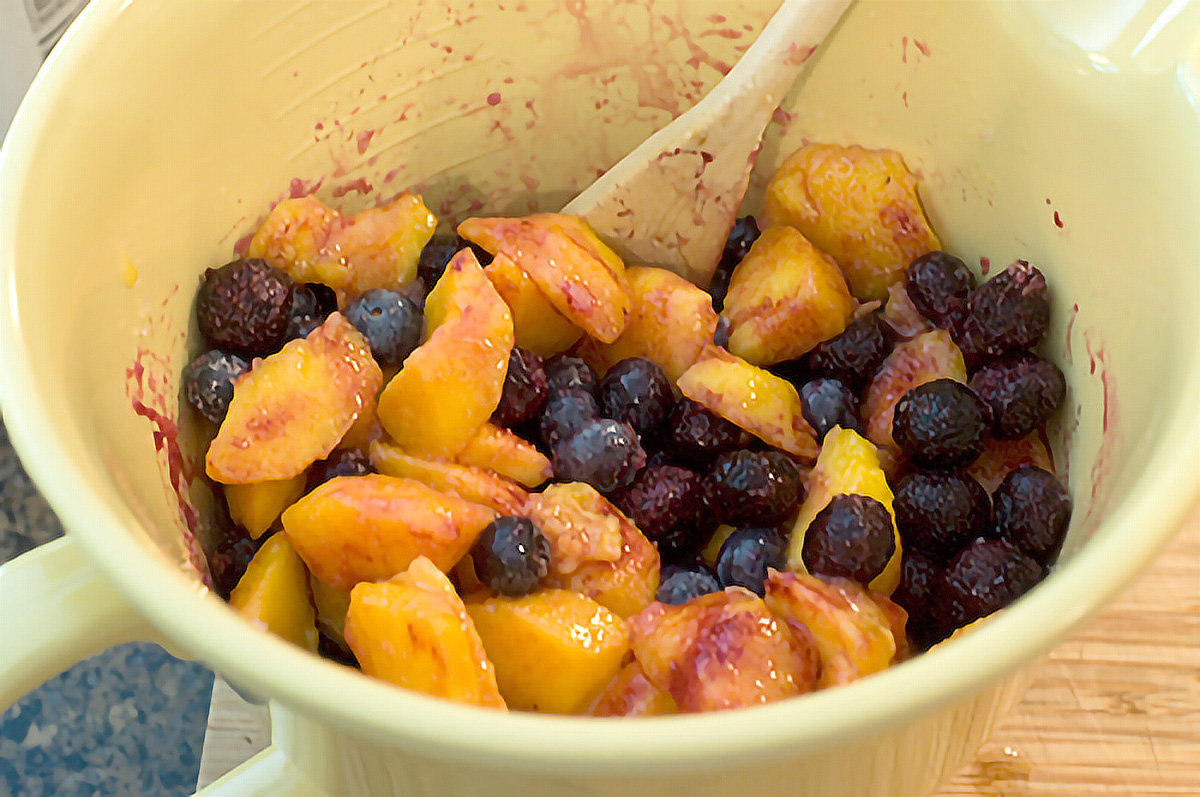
(160, 132)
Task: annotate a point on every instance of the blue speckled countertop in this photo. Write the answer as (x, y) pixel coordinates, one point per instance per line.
(126, 722)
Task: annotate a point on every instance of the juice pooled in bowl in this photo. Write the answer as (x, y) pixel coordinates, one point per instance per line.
(503, 468)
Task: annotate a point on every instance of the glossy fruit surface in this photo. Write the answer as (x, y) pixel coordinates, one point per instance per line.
(564, 414)
(511, 556)
(603, 453)
(1020, 392)
(940, 424)
(243, 307)
(987, 575)
(208, 382)
(697, 436)
(1009, 312)
(389, 321)
(681, 583)
(851, 538)
(827, 403)
(746, 556)
(939, 512)
(753, 488)
(938, 285)
(636, 391)
(524, 391)
(853, 355)
(1031, 511)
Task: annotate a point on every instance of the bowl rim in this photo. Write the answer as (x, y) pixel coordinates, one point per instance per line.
(1124, 543)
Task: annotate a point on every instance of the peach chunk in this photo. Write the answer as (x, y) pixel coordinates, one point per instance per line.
(331, 605)
(537, 326)
(594, 549)
(630, 694)
(506, 454)
(414, 631)
(451, 383)
(847, 465)
(295, 405)
(374, 248)
(256, 506)
(784, 298)
(578, 273)
(758, 401)
(852, 632)
(670, 322)
(723, 650)
(367, 528)
(273, 593)
(1001, 457)
(554, 650)
(929, 356)
(857, 205)
(474, 485)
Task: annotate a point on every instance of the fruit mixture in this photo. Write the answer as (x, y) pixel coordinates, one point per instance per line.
(500, 467)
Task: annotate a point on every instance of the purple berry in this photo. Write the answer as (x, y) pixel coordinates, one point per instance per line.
(438, 253)
(227, 563)
(938, 513)
(511, 556)
(1021, 392)
(636, 391)
(1031, 511)
(604, 453)
(825, 403)
(564, 414)
(662, 499)
(312, 303)
(682, 583)
(938, 285)
(747, 554)
(564, 372)
(940, 425)
(741, 237)
(918, 576)
(853, 355)
(524, 392)
(851, 537)
(697, 436)
(342, 462)
(721, 332)
(208, 382)
(1009, 312)
(986, 576)
(753, 488)
(389, 321)
(243, 307)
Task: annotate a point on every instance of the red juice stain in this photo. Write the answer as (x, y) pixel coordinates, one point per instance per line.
(298, 188)
(364, 140)
(985, 265)
(360, 185)
(493, 98)
(242, 244)
(1068, 355)
(1047, 200)
(1110, 436)
(922, 46)
(904, 97)
(904, 49)
(1058, 222)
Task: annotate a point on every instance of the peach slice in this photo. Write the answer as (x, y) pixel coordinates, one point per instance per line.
(368, 528)
(414, 631)
(858, 206)
(1001, 457)
(273, 593)
(506, 454)
(577, 272)
(451, 383)
(472, 484)
(594, 549)
(758, 401)
(784, 298)
(375, 248)
(630, 694)
(670, 322)
(554, 650)
(723, 650)
(848, 464)
(295, 406)
(331, 605)
(844, 620)
(929, 356)
(537, 326)
(256, 506)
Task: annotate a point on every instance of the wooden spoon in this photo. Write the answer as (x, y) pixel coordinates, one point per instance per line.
(672, 201)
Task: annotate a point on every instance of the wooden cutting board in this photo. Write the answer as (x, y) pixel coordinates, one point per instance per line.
(1113, 711)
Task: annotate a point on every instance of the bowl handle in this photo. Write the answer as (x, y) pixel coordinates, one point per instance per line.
(269, 774)
(55, 610)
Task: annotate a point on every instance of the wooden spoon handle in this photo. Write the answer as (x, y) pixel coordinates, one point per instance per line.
(672, 201)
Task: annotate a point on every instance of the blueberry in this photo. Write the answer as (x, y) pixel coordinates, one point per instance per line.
(753, 488)
(697, 436)
(389, 321)
(940, 425)
(721, 332)
(938, 284)
(914, 594)
(662, 499)
(312, 303)
(227, 562)
(636, 391)
(825, 403)
(681, 543)
(1031, 511)
(208, 382)
(851, 537)
(746, 555)
(938, 513)
(604, 453)
(1009, 312)
(524, 392)
(511, 556)
(327, 648)
(681, 583)
(342, 462)
(243, 307)
(741, 237)
(1020, 392)
(564, 372)
(438, 253)
(564, 414)
(853, 355)
(986, 576)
